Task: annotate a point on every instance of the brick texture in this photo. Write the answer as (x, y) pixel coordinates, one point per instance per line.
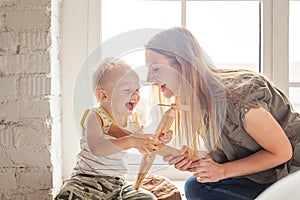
(7, 180)
(2, 17)
(25, 91)
(35, 86)
(30, 20)
(32, 63)
(34, 3)
(10, 86)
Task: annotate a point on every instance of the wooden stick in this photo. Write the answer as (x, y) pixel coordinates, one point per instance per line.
(148, 159)
(164, 150)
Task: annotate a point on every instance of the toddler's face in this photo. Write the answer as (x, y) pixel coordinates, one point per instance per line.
(125, 94)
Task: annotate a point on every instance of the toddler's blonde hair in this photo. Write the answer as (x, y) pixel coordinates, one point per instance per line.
(105, 66)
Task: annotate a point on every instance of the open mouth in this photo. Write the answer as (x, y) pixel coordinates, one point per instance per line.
(130, 105)
(163, 87)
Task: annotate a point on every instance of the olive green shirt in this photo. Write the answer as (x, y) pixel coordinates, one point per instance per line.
(237, 143)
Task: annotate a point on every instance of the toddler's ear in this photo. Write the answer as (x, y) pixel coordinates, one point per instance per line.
(101, 94)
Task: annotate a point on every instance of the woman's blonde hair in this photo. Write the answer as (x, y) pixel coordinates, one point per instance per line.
(204, 88)
(201, 88)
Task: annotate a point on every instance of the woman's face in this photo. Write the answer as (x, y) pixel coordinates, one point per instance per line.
(162, 73)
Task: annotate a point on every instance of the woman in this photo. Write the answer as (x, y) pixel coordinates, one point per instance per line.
(246, 124)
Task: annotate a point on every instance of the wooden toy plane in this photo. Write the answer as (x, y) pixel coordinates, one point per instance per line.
(148, 159)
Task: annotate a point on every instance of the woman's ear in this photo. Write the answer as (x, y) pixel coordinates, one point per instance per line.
(101, 94)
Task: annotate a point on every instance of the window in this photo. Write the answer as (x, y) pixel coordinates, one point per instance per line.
(294, 55)
(119, 16)
(82, 32)
(128, 16)
(228, 30)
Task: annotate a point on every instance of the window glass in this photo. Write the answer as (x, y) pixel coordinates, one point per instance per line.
(294, 55)
(119, 16)
(294, 42)
(295, 97)
(227, 30)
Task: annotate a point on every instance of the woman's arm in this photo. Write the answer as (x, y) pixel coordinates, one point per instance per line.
(266, 131)
(99, 146)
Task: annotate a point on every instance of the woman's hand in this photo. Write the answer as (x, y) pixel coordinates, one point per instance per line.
(180, 162)
(207, 170)
(165, 137)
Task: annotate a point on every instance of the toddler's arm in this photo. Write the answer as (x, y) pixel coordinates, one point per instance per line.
(100, 146)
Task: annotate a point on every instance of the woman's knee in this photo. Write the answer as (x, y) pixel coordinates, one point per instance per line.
(191, 182)
(191, 187)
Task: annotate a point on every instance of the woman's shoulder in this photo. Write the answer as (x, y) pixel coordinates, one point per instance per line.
(247, 87)
(246, 90)
(242, 77)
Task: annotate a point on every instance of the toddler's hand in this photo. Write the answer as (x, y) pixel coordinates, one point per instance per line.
(165, 137)
(144, 143)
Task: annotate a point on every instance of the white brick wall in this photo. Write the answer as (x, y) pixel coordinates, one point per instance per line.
(2, 17)
(10, 88)
(25, 91)
(30, 20)
(36, 62)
